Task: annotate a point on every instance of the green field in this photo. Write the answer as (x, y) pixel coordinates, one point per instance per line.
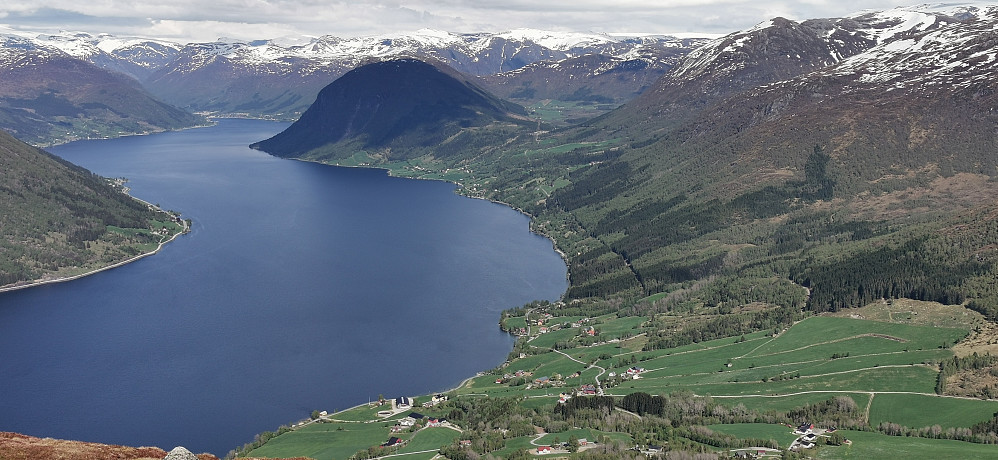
(430, 438)
(867, 445)
(782, 434)
(324, 441)
(814, 360)
(785, 403)
(917, 411)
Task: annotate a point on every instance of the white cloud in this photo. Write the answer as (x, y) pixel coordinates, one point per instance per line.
(253, 19)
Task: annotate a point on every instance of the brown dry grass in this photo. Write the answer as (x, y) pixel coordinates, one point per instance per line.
(959, 191)
(916, 313)
(971, 383)
(15, 446)
(982, 340)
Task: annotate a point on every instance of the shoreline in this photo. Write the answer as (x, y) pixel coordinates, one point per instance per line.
(44, 146)
(42, 282)
(459, 186)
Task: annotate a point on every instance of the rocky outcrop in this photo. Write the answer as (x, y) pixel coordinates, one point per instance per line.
(180, 453)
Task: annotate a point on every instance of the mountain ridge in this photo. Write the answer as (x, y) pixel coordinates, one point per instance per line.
(281, 77)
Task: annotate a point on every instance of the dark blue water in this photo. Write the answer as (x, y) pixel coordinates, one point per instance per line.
(300, 287)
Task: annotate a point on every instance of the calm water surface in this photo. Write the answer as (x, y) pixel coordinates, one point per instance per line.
(300, 287)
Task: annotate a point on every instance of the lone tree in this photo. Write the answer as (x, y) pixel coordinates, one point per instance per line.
(573, 444)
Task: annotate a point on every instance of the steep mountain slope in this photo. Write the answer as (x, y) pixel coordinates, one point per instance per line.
(907, 88)
(786, 138)
(48, 96)
(57, 219)
(395, 107)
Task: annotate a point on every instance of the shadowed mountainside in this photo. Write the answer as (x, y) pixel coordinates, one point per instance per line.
(395, 107)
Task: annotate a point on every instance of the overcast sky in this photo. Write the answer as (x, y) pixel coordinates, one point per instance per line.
(206, 20)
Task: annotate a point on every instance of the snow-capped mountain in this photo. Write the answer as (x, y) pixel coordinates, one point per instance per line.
(280, 77)
(950, 48)
(135, 57)
(48, 95)
(268, 77)
(882, 92)
(593, 78)
(781, 49)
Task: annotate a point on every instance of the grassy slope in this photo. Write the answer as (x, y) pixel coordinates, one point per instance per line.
(57, 219)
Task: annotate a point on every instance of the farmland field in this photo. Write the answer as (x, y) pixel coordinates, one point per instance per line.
(919, 411)
(867, 445)
(769, 372)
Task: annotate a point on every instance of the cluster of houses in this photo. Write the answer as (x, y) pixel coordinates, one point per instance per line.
(807, 436)
(509, 376)
(436, 399)
(633, 373)
(543, 450)
(541, 328)
(584, 390)
(587, 390)
(394, 442)
(417, 418)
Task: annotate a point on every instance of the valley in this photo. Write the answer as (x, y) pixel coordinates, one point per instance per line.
(664, 213)
(791, 225)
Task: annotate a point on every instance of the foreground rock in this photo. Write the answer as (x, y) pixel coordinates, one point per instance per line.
(180, 453)
(14, 446)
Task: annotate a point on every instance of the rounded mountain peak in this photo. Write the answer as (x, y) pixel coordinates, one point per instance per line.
(386, 102)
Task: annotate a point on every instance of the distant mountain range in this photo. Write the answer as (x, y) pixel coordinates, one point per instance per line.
(48, 96)
(280, 78)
